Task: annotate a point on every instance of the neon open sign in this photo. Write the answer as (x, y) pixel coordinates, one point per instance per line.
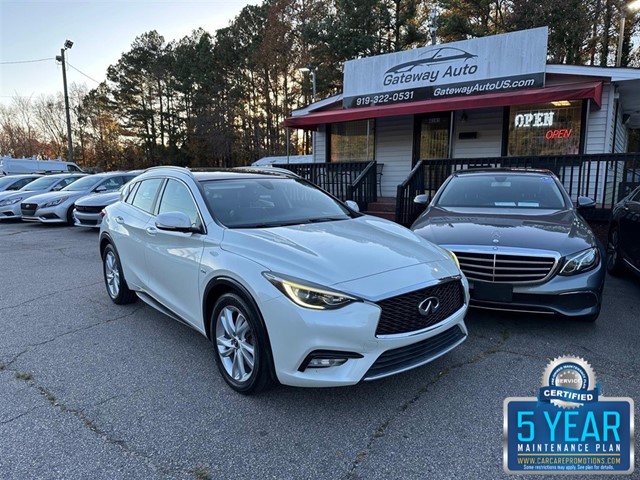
(534, 119)
(558, 133)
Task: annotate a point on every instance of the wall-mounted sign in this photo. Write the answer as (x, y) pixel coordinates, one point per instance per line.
(492, 64)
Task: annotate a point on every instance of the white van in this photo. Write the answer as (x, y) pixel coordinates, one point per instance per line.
(13, 166)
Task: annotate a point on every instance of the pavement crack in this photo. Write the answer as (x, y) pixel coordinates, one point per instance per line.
(21, 415)
(86, 327)
(57, 292)
(102, 434)
(380, 432)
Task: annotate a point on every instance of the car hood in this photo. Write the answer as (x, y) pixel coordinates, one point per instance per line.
(51, 196)
(16, 194)
(334, 252)
(99, 199)
(562, 231)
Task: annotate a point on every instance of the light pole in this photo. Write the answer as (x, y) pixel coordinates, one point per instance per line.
(67, 45)
(312, 71)
(433, 29)
(631, 7)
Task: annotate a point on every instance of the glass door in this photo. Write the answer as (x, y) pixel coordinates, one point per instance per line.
(433, 141)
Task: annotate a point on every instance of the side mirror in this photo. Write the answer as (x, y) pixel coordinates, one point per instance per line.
(174, 222)
(422, 199)
(585, 202)
(100, 189)
(352, 205)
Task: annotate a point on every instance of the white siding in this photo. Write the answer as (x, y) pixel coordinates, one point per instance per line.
(394, 148)
(487, 123)
(599, 123)
(320, 153)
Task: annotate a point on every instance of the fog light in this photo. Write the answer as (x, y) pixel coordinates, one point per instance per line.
(326, 359)
(326, 362)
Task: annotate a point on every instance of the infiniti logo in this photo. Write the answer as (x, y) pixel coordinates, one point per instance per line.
(428, 306)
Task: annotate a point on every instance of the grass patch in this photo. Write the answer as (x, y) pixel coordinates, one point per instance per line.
(202, 473)
(24, 376)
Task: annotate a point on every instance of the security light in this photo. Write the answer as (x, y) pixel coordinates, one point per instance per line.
(68, 44)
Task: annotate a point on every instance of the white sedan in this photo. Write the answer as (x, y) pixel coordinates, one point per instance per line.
(290, 284)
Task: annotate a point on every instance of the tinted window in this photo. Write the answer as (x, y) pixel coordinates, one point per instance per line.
(246, 203)
(113, 183)
(177, 198)
(84, 184)
(41, 183)
(21, 183)
(636, 196)
(68, 181)
(502, 191)
(146, 194)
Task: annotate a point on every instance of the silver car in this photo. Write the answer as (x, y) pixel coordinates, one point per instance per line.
(57, 207)
(15, 182)
(10, 200)
(89, 210)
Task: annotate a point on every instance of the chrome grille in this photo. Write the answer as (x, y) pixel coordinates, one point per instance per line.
(401, 314)
(502, 268)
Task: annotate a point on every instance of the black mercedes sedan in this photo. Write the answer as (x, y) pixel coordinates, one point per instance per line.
(520, 241)
(623, 250)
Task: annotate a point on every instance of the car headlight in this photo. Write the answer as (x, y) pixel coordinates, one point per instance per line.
(53, 203)
(309, 295)
(11, 201)
(581, 262)
(454, 257)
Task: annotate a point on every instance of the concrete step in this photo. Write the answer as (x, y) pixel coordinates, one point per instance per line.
(384, 204)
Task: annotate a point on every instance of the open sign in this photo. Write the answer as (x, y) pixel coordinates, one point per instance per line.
(558, 133)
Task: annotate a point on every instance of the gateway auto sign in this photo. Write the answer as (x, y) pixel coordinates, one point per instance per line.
(471, 67)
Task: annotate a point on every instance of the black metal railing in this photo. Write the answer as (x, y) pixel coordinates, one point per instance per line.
(605, 178)
(345, 180)
(406, 210)
(363, 190)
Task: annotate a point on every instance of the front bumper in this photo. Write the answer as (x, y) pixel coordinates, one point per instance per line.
(87, 219)
(570, 296)
(11, 212)
(296, 332)
(57, 214)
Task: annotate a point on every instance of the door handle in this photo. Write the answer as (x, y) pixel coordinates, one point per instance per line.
(151, 230)
(119, 220)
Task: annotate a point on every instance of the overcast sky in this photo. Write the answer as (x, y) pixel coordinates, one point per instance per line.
(100, 30)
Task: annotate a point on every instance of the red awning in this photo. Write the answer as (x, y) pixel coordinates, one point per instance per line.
(573, 91)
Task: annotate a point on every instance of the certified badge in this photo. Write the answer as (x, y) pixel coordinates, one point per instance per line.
(569, 382)
(570, 427)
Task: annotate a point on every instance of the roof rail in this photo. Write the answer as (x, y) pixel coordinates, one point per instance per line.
(171, 167)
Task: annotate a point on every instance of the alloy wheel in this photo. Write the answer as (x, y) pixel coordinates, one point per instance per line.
(112, 274)
(235, 343)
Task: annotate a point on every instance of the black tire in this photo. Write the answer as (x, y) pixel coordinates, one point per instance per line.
(114, 280)
(70, 215)
(236, 330)
(615, 265)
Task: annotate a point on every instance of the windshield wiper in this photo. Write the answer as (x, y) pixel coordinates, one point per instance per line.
(327, 219)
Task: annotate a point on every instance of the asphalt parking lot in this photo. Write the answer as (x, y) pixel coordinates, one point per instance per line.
(93, 390)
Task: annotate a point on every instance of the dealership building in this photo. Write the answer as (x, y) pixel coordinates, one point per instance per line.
(415, 116)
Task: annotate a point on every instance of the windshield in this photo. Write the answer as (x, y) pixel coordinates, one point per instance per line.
(85, 183)
(41, 183)
(502, 191)
(260, 202)
(6, 181)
